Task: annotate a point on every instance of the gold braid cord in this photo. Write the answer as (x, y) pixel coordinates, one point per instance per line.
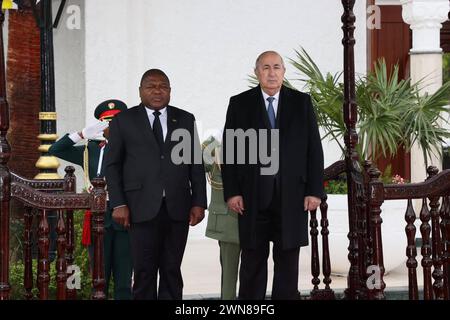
(87, 181)
(217, 185)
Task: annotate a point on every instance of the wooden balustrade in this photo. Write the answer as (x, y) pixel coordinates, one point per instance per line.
(332, 172)
(435, 224)
(434, 229)
(40, 197)
(435, 244)
(50, 186)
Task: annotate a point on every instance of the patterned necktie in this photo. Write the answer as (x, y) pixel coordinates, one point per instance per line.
(157, 130)
(271, 112)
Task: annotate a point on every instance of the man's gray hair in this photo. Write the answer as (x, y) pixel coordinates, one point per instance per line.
(266, 53)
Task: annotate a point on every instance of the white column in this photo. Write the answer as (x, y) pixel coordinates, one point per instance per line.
(425, 18)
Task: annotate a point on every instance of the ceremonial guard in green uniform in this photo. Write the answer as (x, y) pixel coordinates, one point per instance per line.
(222, 223)
(90, 157)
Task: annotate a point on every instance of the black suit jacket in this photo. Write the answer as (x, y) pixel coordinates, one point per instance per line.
(300, 169)
(137, 172)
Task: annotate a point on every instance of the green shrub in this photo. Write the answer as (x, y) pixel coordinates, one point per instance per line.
(335, 186)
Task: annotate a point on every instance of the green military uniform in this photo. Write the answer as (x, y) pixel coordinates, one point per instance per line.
(117, 255)
(223, 226)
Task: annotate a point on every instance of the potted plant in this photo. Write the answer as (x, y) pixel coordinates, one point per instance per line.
(393, 226)
(391, 112)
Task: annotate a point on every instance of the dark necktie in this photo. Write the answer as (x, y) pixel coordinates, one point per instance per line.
(157, 130)
(271, 112)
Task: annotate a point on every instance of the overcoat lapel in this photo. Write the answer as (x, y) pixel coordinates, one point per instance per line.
(172, 124)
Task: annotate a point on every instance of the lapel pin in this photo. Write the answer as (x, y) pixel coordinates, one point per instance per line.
(174, 120)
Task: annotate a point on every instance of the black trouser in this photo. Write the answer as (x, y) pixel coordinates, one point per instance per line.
(158, 246)
(253, 270)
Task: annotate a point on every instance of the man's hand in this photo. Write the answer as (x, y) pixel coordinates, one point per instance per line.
(311, 203)
(236, 204)
(121, 215)
(196, 215)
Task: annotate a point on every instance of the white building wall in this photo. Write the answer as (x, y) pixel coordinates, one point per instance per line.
(69, 56)
(207, 48)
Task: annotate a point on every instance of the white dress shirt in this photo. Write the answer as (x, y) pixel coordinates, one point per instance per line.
(162, 119)
(274, 102)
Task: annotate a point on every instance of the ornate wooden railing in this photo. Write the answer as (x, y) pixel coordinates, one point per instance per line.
(42, 196)
(435, 247)
(359, 247)
(435, 250)
(39, 197)
(331, 172)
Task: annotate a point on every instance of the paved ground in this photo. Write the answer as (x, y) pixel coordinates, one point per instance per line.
(201, 269)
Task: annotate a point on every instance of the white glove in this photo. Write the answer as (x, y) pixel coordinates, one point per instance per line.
(95, 130)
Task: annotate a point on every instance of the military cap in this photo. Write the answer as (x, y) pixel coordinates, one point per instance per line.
(106, 110)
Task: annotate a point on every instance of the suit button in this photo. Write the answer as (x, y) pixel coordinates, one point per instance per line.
(162, 157)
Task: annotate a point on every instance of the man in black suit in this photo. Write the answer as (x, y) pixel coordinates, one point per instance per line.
(273, 204)
(152, 194)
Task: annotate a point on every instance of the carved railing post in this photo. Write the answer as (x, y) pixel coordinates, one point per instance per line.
(61, 264)
(351, 140)
(368, 240)
(330, 173)
(315, 262)
(427, 262)
(43, 278)
(445, 229)
(363, 230)
(70, 186)
(98, 211)
(376, 192)
(436, 248)
(27, 258)
(326, 264)
(5, 176)
(411, 252)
